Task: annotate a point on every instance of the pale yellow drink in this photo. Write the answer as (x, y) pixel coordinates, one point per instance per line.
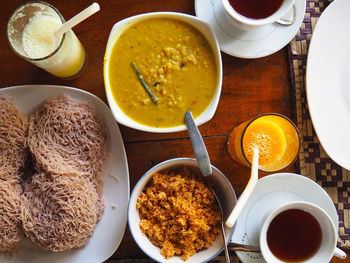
(35, 40)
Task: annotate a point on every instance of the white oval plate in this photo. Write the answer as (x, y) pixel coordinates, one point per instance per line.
(270, 192)
(328, 82)
(110, 230)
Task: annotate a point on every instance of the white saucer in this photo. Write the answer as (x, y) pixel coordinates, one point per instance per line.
(255, 43)
(270, 192)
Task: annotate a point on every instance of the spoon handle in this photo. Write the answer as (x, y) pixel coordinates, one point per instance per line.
(203, 160)
(242, 247)
(288, 19)
(198, 145)
(242, 200)
(227, 255)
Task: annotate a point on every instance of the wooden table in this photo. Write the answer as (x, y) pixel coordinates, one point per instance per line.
(250, 87)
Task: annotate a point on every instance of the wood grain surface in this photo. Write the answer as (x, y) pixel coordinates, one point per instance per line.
(250, 87)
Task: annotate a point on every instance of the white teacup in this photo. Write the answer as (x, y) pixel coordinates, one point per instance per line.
(328, 241)
(251, 23)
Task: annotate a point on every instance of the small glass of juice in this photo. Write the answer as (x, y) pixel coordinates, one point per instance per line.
(30, 32)
(276, 137)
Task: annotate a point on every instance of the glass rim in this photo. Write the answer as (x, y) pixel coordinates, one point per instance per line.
(273, 114)
(62, 38)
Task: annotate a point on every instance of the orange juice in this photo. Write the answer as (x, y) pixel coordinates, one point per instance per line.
(274, 135)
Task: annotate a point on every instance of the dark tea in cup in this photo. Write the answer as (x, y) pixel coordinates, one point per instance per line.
(256, 9)
(251, 14)
(298, 231)
(294, 235)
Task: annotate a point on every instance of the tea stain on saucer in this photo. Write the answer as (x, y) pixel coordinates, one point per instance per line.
(251, 255)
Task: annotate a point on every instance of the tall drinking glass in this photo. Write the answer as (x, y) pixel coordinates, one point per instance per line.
(276, 137)
(30, 32)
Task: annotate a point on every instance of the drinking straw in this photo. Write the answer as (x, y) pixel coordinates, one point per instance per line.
(90, 10)
(247, 191)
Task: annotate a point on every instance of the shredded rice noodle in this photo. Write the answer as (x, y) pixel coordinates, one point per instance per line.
(59, 212)
(13, 152)
(66, 138)
(10, 217)
(59, 204)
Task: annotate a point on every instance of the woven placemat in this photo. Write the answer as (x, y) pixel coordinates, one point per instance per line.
(313, 160)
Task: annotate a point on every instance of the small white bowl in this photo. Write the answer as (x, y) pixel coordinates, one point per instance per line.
(200, 25)
(224, 190)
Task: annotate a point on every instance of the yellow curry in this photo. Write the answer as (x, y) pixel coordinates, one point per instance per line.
(178, 65)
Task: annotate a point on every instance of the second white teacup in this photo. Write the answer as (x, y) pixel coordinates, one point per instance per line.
(242, 20)
(299, 232)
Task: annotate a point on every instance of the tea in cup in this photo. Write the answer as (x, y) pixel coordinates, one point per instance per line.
(299, 232)
(249, 14)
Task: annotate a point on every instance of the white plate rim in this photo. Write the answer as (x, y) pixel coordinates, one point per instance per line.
(106, 238)
(326, 114)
